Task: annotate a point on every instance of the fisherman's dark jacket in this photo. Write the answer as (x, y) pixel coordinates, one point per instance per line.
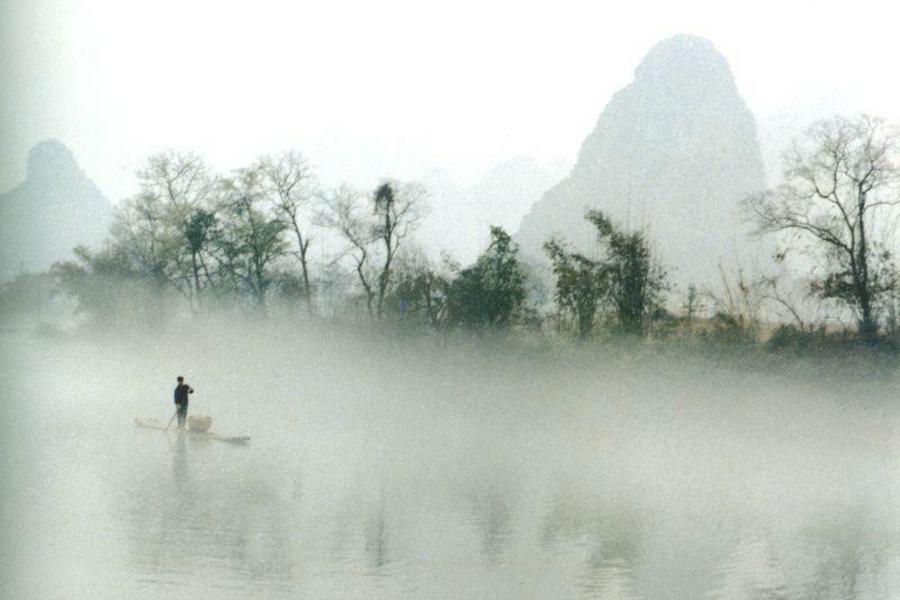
(181, 393)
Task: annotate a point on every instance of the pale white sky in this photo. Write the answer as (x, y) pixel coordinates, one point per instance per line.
(394, 87)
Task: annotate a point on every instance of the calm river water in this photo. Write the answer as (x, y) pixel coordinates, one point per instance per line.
(510, 480)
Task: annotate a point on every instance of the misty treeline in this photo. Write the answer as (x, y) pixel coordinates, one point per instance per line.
(269, 237)
(247, 241)
(243, 242)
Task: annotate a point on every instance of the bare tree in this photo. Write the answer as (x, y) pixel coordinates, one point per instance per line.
(375, 228)
(840, 178)
(398, 207)
(346, 211)
(166, 226)
(291, 186)
(180, 179)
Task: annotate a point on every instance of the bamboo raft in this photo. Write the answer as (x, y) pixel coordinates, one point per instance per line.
(204, 435)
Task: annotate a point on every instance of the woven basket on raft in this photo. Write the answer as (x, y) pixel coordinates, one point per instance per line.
(199, 423)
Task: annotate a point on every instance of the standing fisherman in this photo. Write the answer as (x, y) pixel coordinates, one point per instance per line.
(181, 400)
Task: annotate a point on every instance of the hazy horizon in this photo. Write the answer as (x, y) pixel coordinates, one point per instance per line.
(403, 90)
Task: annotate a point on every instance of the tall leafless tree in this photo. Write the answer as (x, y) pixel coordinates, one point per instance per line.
(375, 227)
(180, 179)
(165, 227)
(346, 211)
(291, 186)
(398, 207)
(184, 185)
(840, 181)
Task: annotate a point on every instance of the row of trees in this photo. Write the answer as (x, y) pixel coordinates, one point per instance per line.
(199, 234)
(245, 236)
(244, 239)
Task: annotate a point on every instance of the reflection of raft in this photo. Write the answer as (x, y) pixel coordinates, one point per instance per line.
(203, 435)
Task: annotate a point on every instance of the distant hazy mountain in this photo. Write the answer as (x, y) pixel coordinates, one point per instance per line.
(55, 209)
(461, 216)
(674, 152)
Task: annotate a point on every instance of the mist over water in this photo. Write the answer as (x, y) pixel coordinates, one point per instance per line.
(399, 468)
(588, 300)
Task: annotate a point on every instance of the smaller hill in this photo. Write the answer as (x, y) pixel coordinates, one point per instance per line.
(55, 209)
(461, 216)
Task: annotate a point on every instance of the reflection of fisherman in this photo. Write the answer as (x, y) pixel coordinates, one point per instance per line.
(181, 400)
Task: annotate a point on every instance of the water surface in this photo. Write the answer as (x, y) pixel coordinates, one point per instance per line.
(377, 472)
